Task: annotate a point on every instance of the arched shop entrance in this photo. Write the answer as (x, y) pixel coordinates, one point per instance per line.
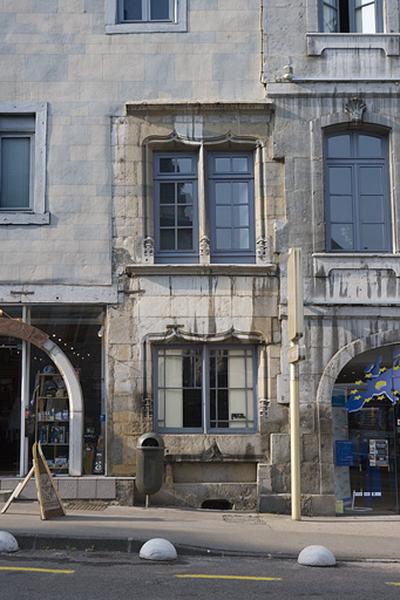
(366, 431)
(51, 374)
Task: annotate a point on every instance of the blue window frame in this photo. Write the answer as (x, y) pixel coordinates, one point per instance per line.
(358, 215)
(139, 11)
(175, 211)
(355, 16)
(200, 389)
(231, 207)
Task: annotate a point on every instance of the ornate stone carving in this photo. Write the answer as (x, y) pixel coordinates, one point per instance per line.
(287, 74)
(262, 248)
(213, 452)
(355, 108)
(148, 249)
(204, 246)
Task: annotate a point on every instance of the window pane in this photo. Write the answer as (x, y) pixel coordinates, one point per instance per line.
(167, 239)
(185, 193)
(372, 209)
(223, 165)
(167, 165)
(241, 239)
(365, 16)
(159, 10)
(132, 10)
(192, 413)
(340, 180)
(167, 193)
(184, 165)
(224, 239)
(339, 146)
(223, 216)
(330, 17)
(370, 147)
(240, 164)
(373, 237)
(185, 216)
(240, 192)
(185, 239)
(223, 193)
(341, 209)
(15, 172)
(241, 216)
(342, 236)
(173, 408)
(370, 180)
(167, 216)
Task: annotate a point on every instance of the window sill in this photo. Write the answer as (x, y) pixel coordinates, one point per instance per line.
(22, 218)
(197, 269)
(324, 262)
(146, 27)
(318, 42)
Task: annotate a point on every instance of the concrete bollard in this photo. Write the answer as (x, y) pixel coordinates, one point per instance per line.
(158, 549)
(8, 543)
(316, 556)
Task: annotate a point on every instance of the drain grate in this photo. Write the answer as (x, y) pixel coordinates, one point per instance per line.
(79, 505)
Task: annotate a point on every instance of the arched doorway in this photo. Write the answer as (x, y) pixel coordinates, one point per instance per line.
(366, 431)
(13, 328)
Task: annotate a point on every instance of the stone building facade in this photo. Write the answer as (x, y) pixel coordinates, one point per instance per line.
(169, 153)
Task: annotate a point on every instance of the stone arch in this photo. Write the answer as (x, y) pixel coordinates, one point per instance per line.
(14, 328)
(345, 355)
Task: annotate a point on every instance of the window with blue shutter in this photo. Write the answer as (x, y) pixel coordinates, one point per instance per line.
(231, 207)
(357, 193)
(176, 213)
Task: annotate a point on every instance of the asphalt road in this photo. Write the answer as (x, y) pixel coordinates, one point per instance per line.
(77, 576)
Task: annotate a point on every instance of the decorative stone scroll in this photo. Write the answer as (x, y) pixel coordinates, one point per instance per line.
(148, 249)
(355, 108)
(262, 248)
(23, 331)
(205, 246)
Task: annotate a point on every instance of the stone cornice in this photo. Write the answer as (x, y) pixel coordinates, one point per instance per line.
(134, 107)
(247, 270)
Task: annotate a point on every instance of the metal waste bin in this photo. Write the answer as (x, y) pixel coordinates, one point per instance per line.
(149, 463)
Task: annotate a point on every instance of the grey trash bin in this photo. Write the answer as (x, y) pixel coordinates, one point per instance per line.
(149, 463)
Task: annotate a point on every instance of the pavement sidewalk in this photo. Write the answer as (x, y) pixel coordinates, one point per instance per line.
(122, 528)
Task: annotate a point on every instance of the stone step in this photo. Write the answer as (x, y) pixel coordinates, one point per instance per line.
(5, 494)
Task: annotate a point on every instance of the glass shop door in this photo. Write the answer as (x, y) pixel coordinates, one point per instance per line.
(375, 433)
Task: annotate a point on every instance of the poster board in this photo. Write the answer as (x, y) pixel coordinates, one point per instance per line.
(344, 453)
(18, 490)
(50, 502)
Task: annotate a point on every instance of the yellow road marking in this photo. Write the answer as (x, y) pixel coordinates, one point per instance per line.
(394, 583)
(38, 570)
(236, 577)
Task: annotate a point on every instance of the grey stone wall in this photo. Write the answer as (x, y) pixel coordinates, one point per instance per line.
(57, 51)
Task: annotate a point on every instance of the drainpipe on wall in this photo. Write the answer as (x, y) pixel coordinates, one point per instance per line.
(262, 33)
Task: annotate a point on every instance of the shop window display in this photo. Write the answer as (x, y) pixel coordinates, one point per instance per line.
(366, 418)
(34, 402)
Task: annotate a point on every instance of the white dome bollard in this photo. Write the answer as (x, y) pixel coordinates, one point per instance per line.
(8, 543)
(316, 556)
(158, 549)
